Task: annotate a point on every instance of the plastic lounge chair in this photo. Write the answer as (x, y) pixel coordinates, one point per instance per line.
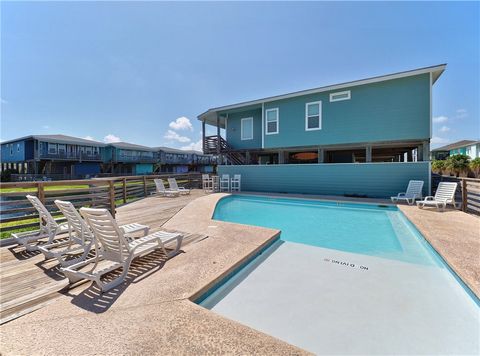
(160, 189)
(49, 228)
(81, 237)
(444, 195)
(414, 191)
(235, 183)
(174, 186)
(225, 183)
(112, 246)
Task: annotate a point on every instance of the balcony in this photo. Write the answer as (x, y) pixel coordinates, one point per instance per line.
(71, 156)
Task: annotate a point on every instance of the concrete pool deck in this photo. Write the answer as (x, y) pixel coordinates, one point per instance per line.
(153, 311)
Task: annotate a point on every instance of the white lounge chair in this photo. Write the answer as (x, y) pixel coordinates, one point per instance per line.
(81, 237)
(414, 191)
(113, 247)
(444, 195)
(49, 228)
(235, 183)
(225, 183)
(174, 186)
(160, 189)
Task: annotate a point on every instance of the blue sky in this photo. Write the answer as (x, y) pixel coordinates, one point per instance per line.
(130, 70)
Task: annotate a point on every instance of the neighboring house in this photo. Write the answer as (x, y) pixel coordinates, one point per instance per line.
(128, 158)
(180, 161)
(466, 147)
(64, 157)
(52, 155)
(384, 119)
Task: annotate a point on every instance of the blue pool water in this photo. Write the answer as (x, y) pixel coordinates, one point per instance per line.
(368, 229)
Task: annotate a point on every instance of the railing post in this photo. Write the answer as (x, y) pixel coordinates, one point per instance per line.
(464, 195)
(124, 190)
(111, 193)
(41, 192)
(145, 191)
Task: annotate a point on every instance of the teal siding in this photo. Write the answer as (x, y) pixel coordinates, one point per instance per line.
(377, 180)
(143, 168)
(397, 109)
(233, 132)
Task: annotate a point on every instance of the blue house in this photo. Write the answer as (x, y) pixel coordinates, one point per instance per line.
(128, 158)
(173, 160)
(52, 155)
(385, 120)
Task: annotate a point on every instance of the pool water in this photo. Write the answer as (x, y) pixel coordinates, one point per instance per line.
(345, 278)
(375, 230)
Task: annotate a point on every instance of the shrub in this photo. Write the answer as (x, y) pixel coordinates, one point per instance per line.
(458, 163)
(438, 166)
(475, 166)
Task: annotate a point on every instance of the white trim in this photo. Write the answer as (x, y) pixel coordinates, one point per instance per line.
(226, 131)
(241, 128)
(263, 119)
(277, 121)
(332, 99)
(354, 83)
(319, 103)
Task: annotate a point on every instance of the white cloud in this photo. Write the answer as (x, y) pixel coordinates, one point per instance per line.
(89, 138)
(437, 140)
(172, 135)
(461, 113)
(196, 146)
(110, 138)
(182, 123)
(439, 119)
(444, 129)
(46, 127)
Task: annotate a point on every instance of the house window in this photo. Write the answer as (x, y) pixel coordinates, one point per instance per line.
(313, 116)
(11, 149)
(339, 96)
(246, 128)
(271, 121)
(52, 148)
(61, 148)
(18, 147)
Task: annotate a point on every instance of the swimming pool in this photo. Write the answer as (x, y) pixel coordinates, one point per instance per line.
(344, 271)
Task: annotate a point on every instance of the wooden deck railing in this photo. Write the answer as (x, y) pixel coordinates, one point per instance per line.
(468, 192)
(17, 214)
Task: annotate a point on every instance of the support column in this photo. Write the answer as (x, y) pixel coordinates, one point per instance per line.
(368, 154)
(203, 136)
(321, 154)
(247, 157)
(426, 151)
(281, 157)
(218, 135)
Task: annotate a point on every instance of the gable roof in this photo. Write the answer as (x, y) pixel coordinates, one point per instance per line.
(210, 116)
(455, 145)
(130, 146)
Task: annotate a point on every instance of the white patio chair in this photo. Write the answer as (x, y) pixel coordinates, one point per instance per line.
(225, 183)
(81, 237)
(160, 189)
(444, 195)
(235, 183)
(115, 249)
(207, 183)
(172, 182)
(414, 191)
(49, 228)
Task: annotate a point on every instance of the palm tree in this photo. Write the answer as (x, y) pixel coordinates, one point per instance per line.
(458, 163)
(475, 166)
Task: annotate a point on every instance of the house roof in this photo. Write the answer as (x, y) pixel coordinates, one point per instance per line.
(176, 150)
(59, 139)
(210, 116)
(130, 146)
(455, 145)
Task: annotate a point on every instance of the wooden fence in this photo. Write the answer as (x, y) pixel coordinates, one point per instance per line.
(468, 193)
(17, 214)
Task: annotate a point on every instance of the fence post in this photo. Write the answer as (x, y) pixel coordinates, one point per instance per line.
(111, 192)
(124, 190)
(145, 190)
(464, 195)
(41, 192)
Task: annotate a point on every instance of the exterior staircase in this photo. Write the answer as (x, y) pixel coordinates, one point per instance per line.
(218, 145)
